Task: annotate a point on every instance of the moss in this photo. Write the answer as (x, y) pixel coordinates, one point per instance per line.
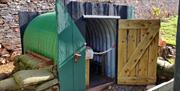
(169, 29)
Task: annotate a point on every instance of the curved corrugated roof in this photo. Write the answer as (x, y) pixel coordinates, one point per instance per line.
(41, 35)
(100, 36)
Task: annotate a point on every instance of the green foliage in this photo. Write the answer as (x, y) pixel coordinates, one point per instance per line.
(156, 11)
(171, 60)
(169, 29)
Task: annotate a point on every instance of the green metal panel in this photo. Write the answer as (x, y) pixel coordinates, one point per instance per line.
(41, 36)
(72, 75)
(79, 67)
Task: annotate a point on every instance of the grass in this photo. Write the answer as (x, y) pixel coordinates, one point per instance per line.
(171, 60)
(169, 29)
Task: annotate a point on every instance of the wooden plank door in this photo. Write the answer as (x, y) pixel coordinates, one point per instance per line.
(137, 51)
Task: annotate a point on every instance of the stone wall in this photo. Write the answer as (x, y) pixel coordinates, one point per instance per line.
(9, 28)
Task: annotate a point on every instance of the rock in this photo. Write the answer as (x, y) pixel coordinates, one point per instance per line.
(4, 12)
(1, 46)
(3, 6)
(8, 17)
(2, 60)
(6, 55)
(4, 52)
(6, 28)
(165, 69)
(28, 1)
(167, 52)
(34, 1)
(9, 47)
(16, 29)
(1, 21)
(4, 1)
(13, 55)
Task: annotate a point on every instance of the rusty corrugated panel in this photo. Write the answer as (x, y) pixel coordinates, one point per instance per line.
(101, 35)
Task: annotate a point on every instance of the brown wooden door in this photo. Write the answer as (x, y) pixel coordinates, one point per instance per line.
(137, 51)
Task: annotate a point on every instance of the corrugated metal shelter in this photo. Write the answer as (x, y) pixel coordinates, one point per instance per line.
(62, 34)
(101, 35)
(100, 32)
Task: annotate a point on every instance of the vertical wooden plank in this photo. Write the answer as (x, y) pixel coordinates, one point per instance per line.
(152, 61)
(143, 63)
(131, 47)
(156, 56)
(138, 40)
(87, 73)
(133, 38)
(122, 49)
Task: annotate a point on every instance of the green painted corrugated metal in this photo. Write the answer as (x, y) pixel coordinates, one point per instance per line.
(41, 36)
(56, 36)
(70, 40)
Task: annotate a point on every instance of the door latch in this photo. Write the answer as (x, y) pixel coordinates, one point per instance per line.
(77, 57)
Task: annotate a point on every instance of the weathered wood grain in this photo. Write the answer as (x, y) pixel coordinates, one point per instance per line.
(137, 53)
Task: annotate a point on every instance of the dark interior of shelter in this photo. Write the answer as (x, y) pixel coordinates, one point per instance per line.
(101, 36)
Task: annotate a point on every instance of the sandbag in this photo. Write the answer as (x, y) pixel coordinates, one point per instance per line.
(165, 69)
(52, 69)
(8, 84)
(16, 64)
(22, 66)
(32, 77)
(54, 88)
(29, 61)
(47, 85)
(34, 62)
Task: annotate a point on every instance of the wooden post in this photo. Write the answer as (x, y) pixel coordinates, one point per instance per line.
(87, 73)
(177, 62)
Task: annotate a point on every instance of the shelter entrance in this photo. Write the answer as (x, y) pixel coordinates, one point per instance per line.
(101, 38)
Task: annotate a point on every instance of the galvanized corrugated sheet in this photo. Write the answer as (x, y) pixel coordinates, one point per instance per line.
(102, 31)
(77, 9)
(101, 35)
